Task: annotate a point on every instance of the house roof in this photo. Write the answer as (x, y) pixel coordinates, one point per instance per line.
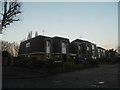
(79, 40)
(101, 48)
(61, 38)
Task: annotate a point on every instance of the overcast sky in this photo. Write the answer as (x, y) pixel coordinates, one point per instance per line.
(93, 21)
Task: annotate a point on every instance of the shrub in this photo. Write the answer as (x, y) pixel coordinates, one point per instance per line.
(30, 64)
(5, 54)
(91, 62)
(71, 66)
(21, 61)
(68, 66)
(114, 60)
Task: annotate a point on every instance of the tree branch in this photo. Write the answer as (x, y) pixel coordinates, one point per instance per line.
(11, 9)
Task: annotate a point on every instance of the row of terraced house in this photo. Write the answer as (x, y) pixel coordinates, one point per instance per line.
(59, 48)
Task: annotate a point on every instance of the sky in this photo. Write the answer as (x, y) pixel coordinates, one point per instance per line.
(93, 21)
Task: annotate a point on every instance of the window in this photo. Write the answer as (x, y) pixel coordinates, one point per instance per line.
(98, 50)
(27, 44)
(79, 48)
(48, 43)
(47, 46)
(88, 48)
(103, 52)
(93, 53)
(93, 47)
(64, 47)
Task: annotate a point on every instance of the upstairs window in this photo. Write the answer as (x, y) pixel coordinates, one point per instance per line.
(64, 47)
(48, 46)
(79, 48)
(27, 44)
(93, 47)
(88, 48)
(98, 50)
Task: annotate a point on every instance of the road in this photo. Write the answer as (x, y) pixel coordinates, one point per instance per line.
(104, 76)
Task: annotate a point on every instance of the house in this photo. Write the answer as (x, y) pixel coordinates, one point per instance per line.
(43, 47)
(82, 48)
(39, 47)
(101, 52)
(60, 48)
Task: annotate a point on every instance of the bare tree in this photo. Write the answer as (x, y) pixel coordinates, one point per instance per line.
(29, 35)
(10, 9)
(12, 48)
(5, 45)
(36, 34)
(112, 52)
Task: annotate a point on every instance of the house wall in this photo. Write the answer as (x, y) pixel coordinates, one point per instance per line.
(84, 49)
(81, 48)
(101, 52)
(58, 50)
(36, 47)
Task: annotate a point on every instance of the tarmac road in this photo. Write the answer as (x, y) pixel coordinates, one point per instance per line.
(105, 76)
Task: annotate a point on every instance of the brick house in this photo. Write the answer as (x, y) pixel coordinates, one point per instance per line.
(60, 48)
(82, 48)
(39, 47)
